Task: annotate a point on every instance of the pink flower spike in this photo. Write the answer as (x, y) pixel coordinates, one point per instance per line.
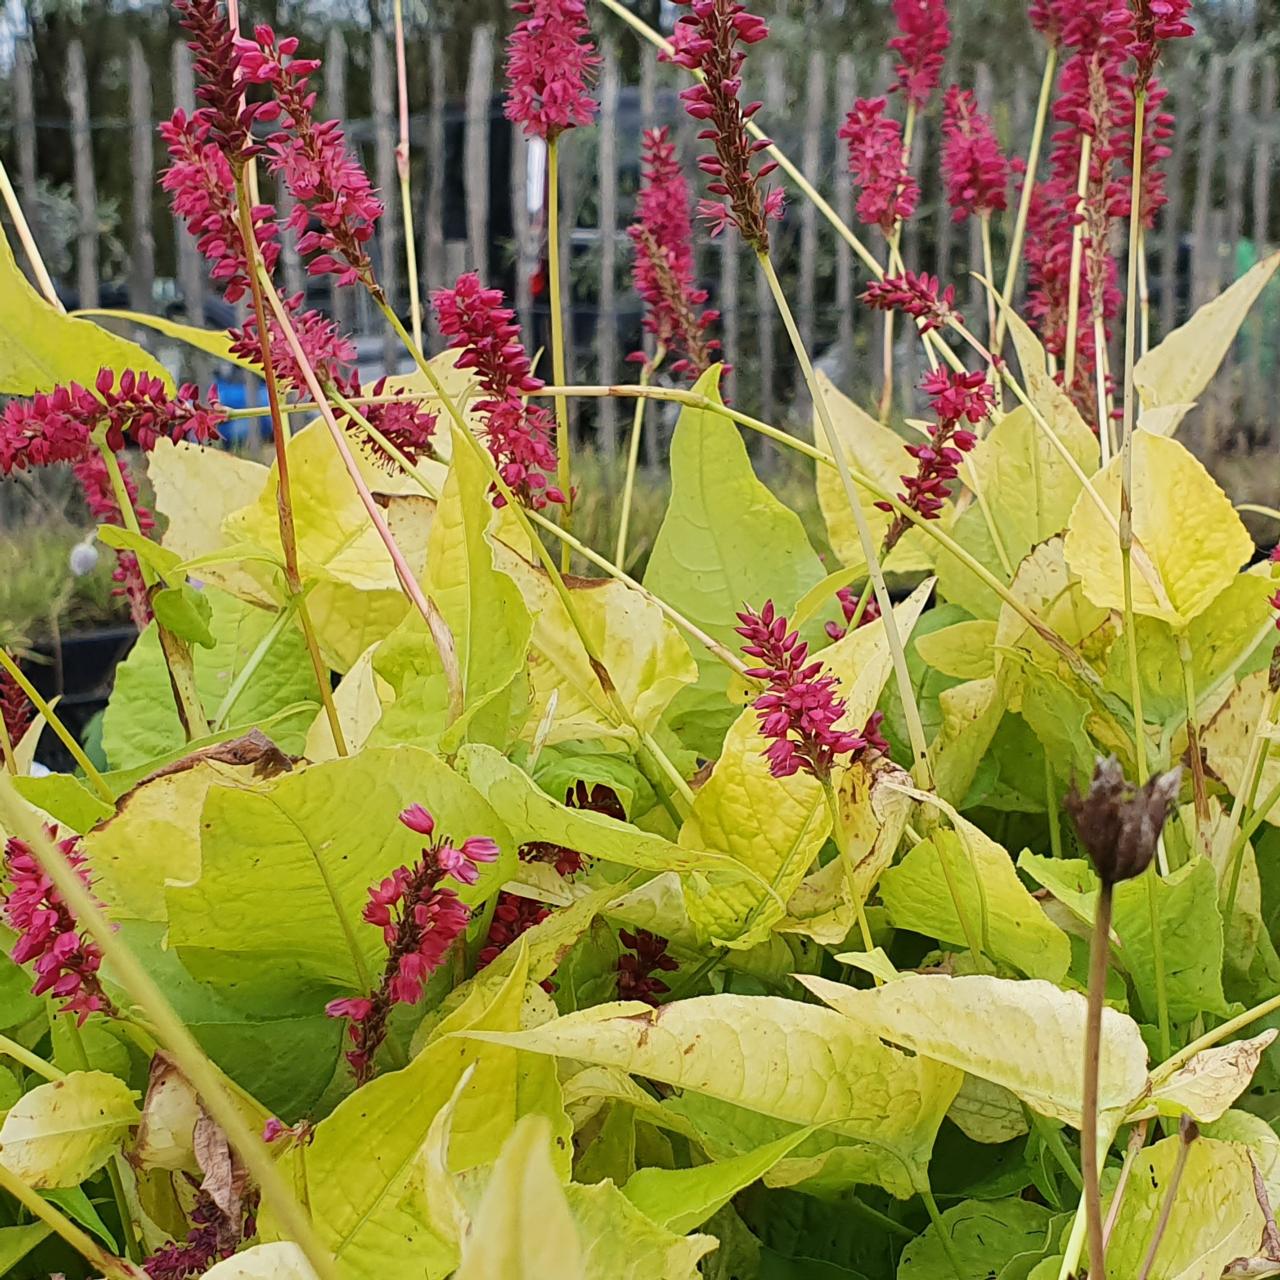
(974, 169)
(925, 34)
(357, 1008)
(915, 295)
(550, 63)
(878, 163)
(416, 818)
(480, 849)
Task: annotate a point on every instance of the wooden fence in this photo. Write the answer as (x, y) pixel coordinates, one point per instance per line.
(471, 173)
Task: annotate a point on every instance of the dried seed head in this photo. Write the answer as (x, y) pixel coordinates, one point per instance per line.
(1119, 823)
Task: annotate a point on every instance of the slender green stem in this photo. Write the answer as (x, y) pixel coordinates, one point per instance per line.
(250, 669)
(64, 734)
(111, 1267)
(1051, 807)
(1219, 1033)
(32, 250)
(1051, 1136)
(403, 172)
(633, 460)
(1099, 950)
(8, 755)
(1077, 252)
(564, 467)
(944, 1232)
(915, 727)
(1151, 876)
(885, 407)
(1137, 1140)
(1188, 1132)
(988, 269)
(881, 1220)
(33, 1063)
(1144, 294)
(170, 1031)
(842, 851)
(1024, 201)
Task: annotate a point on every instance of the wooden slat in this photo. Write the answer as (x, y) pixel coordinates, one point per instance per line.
(24, 127)
(811, 164)
(846, 92)
(607, 327)
(1261, 392)
(190, 264)
(571, 144)
(526, 244)
(142, 166)
(86, 190)
(335, 105)
(774, 92)
(1171, 224)
(384, 141)
(433, 224)
(479, 89)
(1203, 254)
(649, 120)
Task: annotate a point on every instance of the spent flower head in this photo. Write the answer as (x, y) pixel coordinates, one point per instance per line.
(1119, 823)
(645, 957)
(711, 47)
(551, 62)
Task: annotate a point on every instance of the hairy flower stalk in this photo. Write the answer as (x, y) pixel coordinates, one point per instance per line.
(799, 711)
(420, 917)
(66, 961)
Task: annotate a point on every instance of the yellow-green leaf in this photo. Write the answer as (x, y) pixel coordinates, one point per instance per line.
(965, 650)
(1227, 737)
(62, 1132)
(1027, 1036)
(215, 342)
(1192, 541)
(281, 1260)
(1207, 1085)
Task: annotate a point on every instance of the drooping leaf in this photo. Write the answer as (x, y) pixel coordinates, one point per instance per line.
(239, 685)
(1186, 552)
(1206, 1086)
(358, 702)
(725, 542)
(214, 342)
(41, 346)
(63, 1131)
(779, 1057)
(280, 1260)
(985, 1234)
(1227, 738)
(963, 650)
(1025, 1035)
(1215, 1216)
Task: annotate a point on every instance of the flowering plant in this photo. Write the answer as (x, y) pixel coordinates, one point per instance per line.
(441, 913)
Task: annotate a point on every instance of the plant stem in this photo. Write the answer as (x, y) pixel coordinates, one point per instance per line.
(564, 468)
(63, 733)
(1099, 950)
(171, 1032)
(86, 1246)
(1199, 788)
(915, 727)
(1051, 808)
(258, 283)
(989, 271)
(1052, 1140)
(1246, 793)
(403, 172)
(29, 246)
(1187, 1132)
(1144, 294)
(1077, 252)
(885, 407)
(633, 459)
(1024, 200)
(1210, 1038)
(1101, 378)
(944, 1232)
(24, 1057)
(1137, 1140)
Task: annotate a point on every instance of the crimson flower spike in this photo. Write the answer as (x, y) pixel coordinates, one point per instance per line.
(550, 63)
(709, 44)
(888, 194)
(95, 484)
(925, 34)
(1154, 22)
(664, 263)
(973, 167)
(15, 708)
(919, 296)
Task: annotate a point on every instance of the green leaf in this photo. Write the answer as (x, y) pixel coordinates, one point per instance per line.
(1178, 369)
(963, 650)
(682, 1199)
(1190, 929)
(282, 1260)
(286, 869)
(1186, 552)
(1214, 1219)
(186, 612)
(141, 722)
(523, 1229)
(62, 1132)
(150, 552)
(725, 541)
(792, 1061)
(1008, 922)
(64, 797)
(215, 342)
(1027, 1036)
(1227, 737)
(1254, 1132)
(78, 1207)
(17, 1242)
(41, 346)
(986, 1234)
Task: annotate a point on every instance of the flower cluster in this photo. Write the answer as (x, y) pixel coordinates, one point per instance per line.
(849, 602)
(645, 957)
(550, 63)
(519, 435)
(15, 709)
(960, 400)
(214, 1235)
(1274, 558)
(887, 193)
(920, 296)
(420, 918)
(710, 45)
(66, 961)
(1155, 21)
(800, 711)
(924, 34)
(973, 167)
(335, 207)
(403, 422)
(95, 484)
(664, 268)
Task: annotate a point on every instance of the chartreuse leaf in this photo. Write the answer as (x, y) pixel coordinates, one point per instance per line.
(1207, 1085)
(971, 714)
(879, 453)
(1007, 921)
(315, 839)
(622, 1243)
(1190, 928)
(523, 1228)
(41, 346)
(985, 1235)
(1177, 370)
(1227, 737)
(1214, 1219)
(775, 826)
(645, 656)
(281, 1260)
(1261, 1139)
(1185, 552)
(360, 1174)
(141, 722)
(1026, 1036)
(683, 1199)
(163, 560)
(358, 702)
(725, 542)
(216, 342)
(62, 1132)
(965, 650)
(186, 612)
(792, 1061)
(17, 1242)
